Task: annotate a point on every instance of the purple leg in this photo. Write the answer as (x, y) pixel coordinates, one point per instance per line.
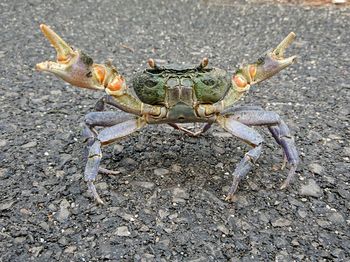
(102, 119)
(105, 137)
(251, 137)
(279, 131)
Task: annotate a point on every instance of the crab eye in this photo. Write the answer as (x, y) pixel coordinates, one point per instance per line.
(151, 83)
(261, 60)
(208, 81)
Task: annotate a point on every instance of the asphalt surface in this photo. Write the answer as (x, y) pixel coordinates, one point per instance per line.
(168, 202)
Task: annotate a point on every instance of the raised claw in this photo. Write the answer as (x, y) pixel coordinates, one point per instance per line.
(77, 68)
(266, 66)
(274, 61)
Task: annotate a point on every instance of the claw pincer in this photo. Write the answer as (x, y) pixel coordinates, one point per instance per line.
(173, 94)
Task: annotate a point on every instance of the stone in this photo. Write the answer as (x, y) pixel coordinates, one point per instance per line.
(144, 228)
(163, 213)
(316, 168)
(102, 186)
(36, 250)
(118, 148)
(223, 229)
(322, 223)
(63, 241)
(44, 225)
(336, 218)
(144, 184)
(6, 205)
(64, 213)
(302, 213)
(281, 222)
(122, 231)
(70, 249)
(176, 168)
(30, 144)
(179, 195)
(2, 142)
(19, 240)
(161, 171)
(347, 151)
(311, 189)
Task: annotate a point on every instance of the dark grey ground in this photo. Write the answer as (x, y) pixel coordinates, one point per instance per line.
(167, 204)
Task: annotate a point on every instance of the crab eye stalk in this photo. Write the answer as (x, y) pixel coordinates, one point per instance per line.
(204, 63)
(151, 63)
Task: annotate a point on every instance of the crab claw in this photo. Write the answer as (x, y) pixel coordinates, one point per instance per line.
(274, 61)
(267, 65)
(73, 66)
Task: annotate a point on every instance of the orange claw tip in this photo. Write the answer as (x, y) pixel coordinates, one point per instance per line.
(43, 27)
(100, 73)
(240, 81)
(252, 71)
(116, 84)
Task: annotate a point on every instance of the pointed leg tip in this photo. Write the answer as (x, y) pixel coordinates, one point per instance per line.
(100, 201)
(230, 198)
(284, 186)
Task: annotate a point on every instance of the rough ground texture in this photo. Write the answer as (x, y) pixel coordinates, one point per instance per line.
(168, 202)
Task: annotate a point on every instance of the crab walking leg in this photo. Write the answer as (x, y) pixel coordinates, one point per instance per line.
(105, 137)
(273, 130)
(279, 131)
(102, 119)
(249, 136)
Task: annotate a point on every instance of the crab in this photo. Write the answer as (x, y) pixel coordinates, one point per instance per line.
(174, 94)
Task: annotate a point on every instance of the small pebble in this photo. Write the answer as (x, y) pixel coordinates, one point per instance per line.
(161, 171)
(223, 229)
(311, 189)
(122, 231)
(316, 168)
(64, 213)
(6, 205)
(336, 218)
(281, 222)
(70, 249)
(102, 186)
(3, 143)
(179, 195)
(30, 144)
(144, 184)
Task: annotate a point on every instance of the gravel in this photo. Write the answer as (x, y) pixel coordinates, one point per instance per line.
(167, 202)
